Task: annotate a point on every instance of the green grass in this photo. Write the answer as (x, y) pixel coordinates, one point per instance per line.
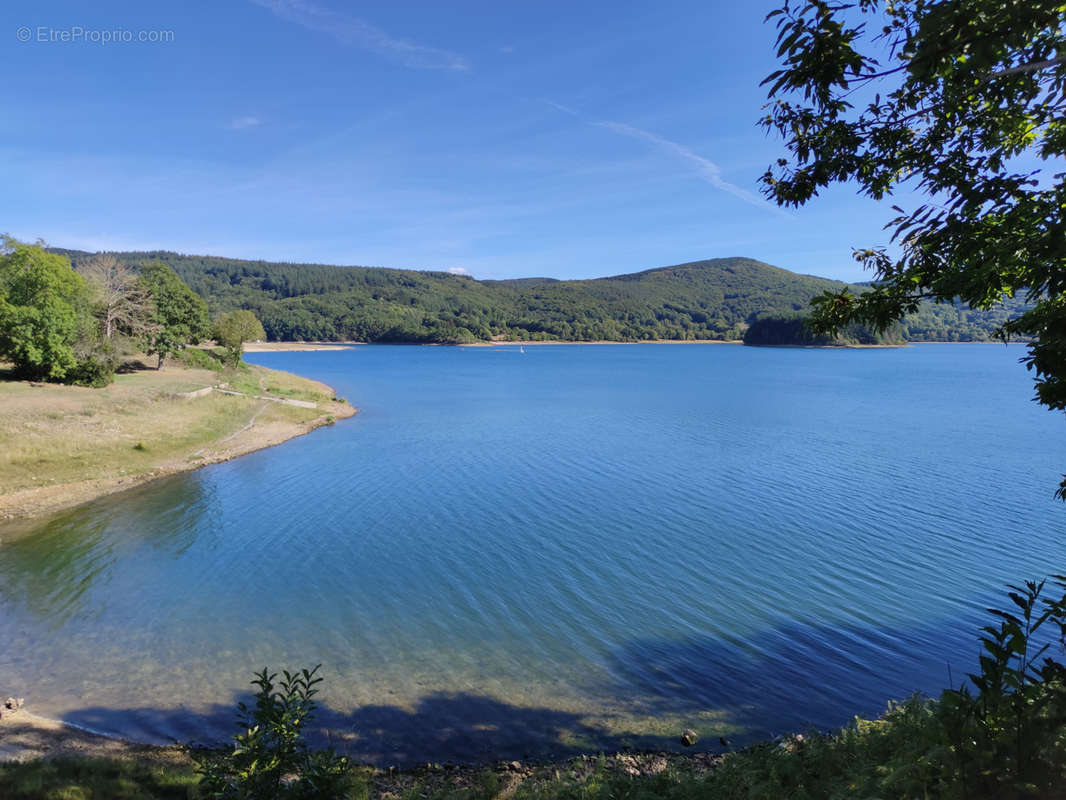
(96, 779)
(276, 384)
(56, 434)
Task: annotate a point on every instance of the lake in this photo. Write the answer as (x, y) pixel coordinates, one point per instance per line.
(529, 554)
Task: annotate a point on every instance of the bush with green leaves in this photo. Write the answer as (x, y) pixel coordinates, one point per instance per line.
(1004, 736)
(270, 759)
(1013, 727)
(197, 358)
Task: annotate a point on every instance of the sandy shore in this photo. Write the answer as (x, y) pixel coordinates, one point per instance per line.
(25, 736)
(602, 341)
(261, 431)
(39, 501)
(296, 347)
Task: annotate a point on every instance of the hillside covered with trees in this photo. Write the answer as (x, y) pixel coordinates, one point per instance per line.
(713, 299)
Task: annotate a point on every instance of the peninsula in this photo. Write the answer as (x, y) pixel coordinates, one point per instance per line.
(63, 445)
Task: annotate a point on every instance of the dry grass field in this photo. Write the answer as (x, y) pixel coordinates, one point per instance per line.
(60, 445)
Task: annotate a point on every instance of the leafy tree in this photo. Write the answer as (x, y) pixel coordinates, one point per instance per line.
(43, 308)
(232, 330)
(180, 314)
(962, 101)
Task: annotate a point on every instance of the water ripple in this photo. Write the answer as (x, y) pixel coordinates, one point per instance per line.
(577, 537)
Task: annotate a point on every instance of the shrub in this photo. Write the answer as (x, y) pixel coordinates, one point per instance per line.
(197, 358)
(269, 759)
(96, 371)
(1003, 739)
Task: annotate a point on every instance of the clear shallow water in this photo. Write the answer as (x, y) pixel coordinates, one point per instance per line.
(576, 547)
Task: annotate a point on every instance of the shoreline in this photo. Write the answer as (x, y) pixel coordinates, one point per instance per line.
(301, 347)
(839, 346)
(554, 342)
(32, 503)
(296, 347)
(26, 737)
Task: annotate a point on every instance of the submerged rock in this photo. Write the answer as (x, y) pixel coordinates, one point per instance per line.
(689, 737)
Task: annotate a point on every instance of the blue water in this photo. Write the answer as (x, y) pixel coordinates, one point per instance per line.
(510, 554)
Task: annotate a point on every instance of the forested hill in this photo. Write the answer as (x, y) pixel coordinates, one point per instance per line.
(714, 299)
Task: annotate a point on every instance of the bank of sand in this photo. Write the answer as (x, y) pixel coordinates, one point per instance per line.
(61, 446)
(25, 736)
(502, 343)
(295, 347)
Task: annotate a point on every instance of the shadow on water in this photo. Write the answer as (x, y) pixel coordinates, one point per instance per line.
(443, 726)
(789, 679)
(794, 677)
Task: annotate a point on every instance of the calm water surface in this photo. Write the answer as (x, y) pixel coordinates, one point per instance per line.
(513, 553)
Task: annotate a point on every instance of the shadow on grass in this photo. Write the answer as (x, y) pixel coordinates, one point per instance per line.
(133, 365)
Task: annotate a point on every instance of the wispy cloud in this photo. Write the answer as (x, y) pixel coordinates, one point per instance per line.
(359, 33)
(240, 123)
(704, 167)
(459, 271)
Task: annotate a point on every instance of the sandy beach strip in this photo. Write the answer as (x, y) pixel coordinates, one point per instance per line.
(296, 347)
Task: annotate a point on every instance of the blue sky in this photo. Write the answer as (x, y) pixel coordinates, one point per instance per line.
(566, 139)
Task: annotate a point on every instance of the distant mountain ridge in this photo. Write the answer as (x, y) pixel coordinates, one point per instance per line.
(700, 300)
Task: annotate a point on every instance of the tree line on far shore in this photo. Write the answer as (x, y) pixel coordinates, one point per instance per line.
(714, 299)
(99, 307)
(79, 326)
(795, 330)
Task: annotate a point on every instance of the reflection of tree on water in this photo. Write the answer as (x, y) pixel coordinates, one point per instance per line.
(169, 514)
(50, 569)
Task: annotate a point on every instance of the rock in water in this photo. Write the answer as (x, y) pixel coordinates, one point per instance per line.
(689, 737)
